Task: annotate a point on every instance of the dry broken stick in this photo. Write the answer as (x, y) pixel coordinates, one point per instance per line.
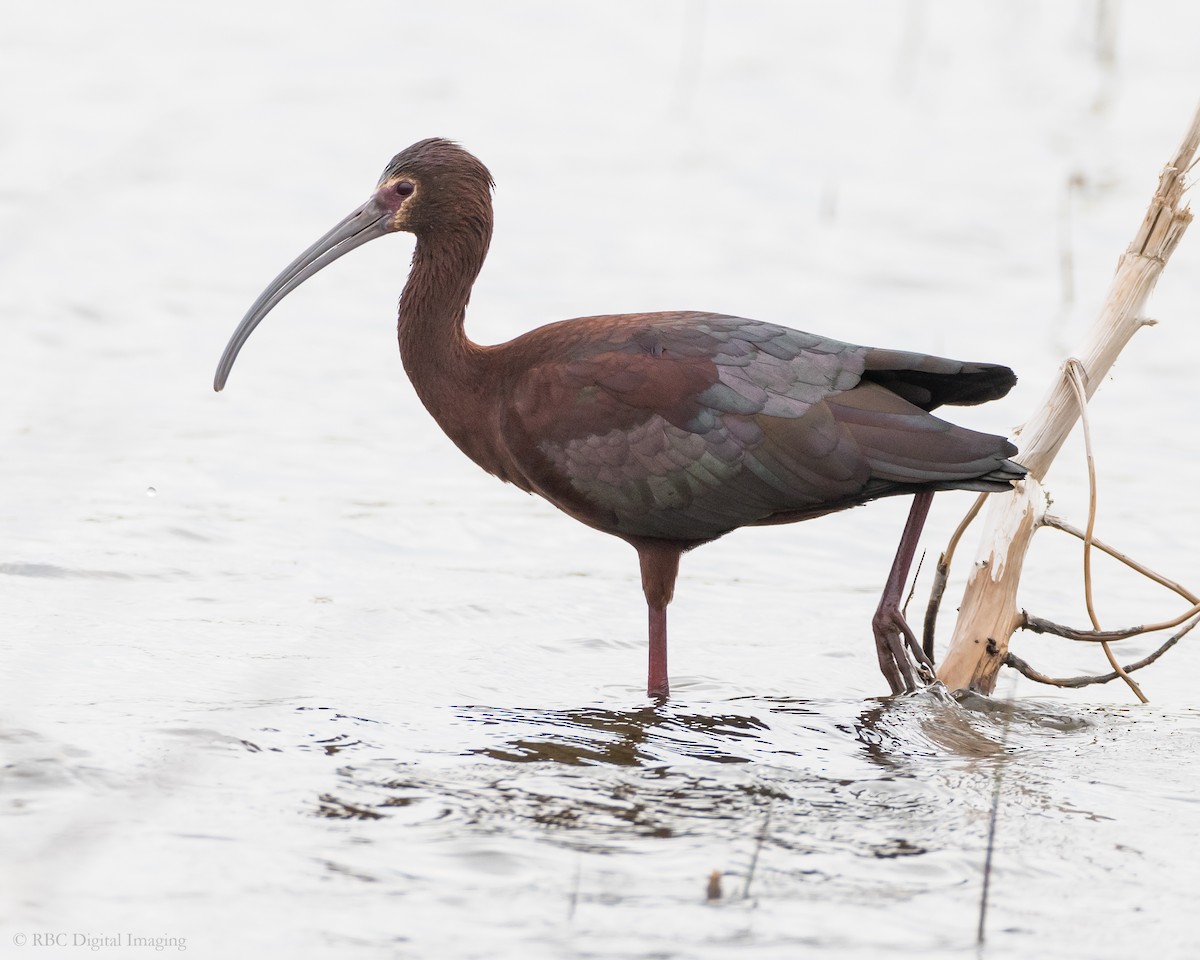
(941, 576)
(1012, 660)
(1074, 372)
(988, 612)
(1058, 523)
(1041, 625)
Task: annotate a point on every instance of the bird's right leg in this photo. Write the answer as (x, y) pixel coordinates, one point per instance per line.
(660, 565)
(901, 657)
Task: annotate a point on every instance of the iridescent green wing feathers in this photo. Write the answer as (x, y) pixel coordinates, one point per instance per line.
(686, 426)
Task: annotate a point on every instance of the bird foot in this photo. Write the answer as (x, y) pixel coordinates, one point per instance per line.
(901, 657)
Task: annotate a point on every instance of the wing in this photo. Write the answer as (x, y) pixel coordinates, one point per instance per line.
(686, 426)
(929, 382)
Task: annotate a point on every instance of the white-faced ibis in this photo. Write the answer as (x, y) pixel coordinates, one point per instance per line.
(667, 430)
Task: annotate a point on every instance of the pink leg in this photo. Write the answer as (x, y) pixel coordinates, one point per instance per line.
(657, 685)
(901, 658)
(660, 564)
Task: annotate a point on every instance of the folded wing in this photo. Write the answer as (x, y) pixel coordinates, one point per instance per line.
(687, 426)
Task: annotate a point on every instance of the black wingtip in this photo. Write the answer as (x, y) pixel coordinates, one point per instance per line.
(971, 384)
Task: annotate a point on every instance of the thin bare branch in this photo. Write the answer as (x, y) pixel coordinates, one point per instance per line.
(762, 839)
(1058, 523)
(993, 817)
(1012, 660)
(988, 611)
(913, 589)
(1034, 624)
(1075, 374)
(941, 574)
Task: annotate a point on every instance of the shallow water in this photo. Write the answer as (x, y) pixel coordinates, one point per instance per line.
(284, 675)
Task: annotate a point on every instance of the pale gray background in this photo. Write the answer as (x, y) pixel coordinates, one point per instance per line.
(222, 614)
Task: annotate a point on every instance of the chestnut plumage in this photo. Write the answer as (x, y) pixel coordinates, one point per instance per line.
(667, 430)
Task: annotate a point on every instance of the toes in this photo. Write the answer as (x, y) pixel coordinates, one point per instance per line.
(895, 663)
(901, 657)
(887, 664)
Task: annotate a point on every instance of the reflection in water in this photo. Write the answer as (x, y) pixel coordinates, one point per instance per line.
(618, 737)
(774, 776)
(937, 725)
(826, 815)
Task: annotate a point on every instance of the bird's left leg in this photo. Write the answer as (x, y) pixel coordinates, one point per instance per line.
(660, 565)
(901, 658)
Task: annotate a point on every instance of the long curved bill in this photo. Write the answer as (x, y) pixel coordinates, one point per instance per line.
(366, 223)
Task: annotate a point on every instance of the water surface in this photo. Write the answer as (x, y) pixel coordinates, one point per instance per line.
(284, 675)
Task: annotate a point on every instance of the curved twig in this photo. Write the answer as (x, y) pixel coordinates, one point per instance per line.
(941, 574)
(1027, 621)
(1012, 660)
(1058, 523)
(1075, 376)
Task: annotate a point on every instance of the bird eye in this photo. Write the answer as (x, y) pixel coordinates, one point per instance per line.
(405, 187)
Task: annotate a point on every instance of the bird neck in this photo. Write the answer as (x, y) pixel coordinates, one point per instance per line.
(449, 372)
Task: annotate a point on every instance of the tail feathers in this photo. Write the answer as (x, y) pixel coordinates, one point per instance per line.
(1005, 475)
(999, 480)
(910, 449)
